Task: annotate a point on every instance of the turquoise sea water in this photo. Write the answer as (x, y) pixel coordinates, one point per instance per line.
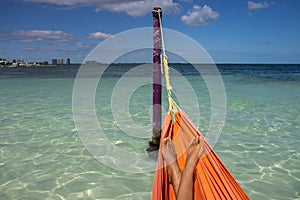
(43, 157)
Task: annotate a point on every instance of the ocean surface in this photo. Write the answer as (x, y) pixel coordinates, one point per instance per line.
(44, 156)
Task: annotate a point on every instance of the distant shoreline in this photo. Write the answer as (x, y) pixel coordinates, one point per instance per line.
(118, 64)
(29, 65)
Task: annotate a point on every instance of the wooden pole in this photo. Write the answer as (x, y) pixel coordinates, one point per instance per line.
(156, 118)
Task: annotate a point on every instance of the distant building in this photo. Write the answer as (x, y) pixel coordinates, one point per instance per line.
(3, 61)
(66, 61)
(91, 62)
(42, 63)
(54, 61)
(20, 61)
(61, 61)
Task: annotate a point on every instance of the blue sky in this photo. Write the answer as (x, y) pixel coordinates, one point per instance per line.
(232, 31)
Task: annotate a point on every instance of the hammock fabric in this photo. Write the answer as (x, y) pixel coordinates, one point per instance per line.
(212, 179)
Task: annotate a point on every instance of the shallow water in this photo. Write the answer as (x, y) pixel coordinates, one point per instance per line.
(43, 157)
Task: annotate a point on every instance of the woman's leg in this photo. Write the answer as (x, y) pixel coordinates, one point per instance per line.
(186, 186)
(170, 157)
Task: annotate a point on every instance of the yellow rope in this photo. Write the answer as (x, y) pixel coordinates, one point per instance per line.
(173, 107)
(167, 75)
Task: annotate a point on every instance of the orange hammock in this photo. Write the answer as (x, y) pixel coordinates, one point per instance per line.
(212, 179)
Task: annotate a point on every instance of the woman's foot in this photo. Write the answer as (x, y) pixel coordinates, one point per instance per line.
(194, 152)
(169, 155)
(168, 151)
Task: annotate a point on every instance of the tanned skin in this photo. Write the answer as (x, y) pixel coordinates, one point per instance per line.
(183, 182)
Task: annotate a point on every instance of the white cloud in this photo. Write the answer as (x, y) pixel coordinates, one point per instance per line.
(66, 2)
(187, 1)
(99, 36)
(198, 16)
(55, 37)
(133, 8)
(257, 5)
(43, 34)
(142, 7)
(32, 49)
(104, 36)
(83, 45)
(47, 49)
(38, 49)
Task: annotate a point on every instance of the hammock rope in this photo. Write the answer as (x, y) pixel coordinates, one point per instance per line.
(173, 107)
